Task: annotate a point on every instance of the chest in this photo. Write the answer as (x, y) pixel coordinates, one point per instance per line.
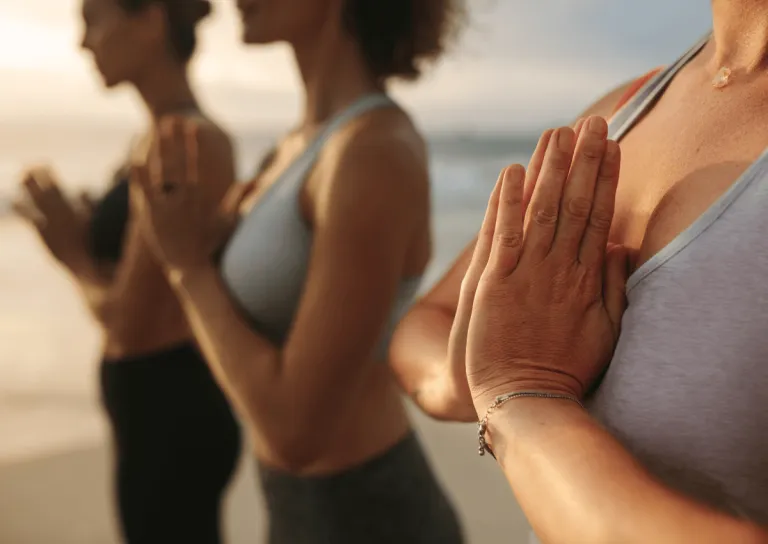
(680, 159)
(286, 155)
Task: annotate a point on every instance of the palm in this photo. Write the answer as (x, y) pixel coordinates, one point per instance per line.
(534, 339)
(544, 294)
(183, 215)
(61, 224)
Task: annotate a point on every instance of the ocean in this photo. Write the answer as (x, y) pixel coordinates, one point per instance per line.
(49, 346)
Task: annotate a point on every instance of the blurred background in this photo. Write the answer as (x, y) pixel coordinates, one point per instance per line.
(519, 68)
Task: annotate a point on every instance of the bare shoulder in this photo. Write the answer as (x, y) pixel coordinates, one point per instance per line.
(380, 152)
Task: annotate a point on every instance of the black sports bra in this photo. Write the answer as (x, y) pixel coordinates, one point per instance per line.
(109, 220)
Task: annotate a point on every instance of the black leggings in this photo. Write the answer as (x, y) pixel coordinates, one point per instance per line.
(176, 442)
(392, 499)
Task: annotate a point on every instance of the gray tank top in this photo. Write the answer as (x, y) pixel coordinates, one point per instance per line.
(687, 390)
(264, 265)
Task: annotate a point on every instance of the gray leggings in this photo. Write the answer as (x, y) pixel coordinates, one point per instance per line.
(392, 499)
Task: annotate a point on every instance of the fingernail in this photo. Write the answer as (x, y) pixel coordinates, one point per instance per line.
(564, 140)
(597, 126)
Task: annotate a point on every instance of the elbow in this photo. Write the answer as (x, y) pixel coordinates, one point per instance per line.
(441, 402)
(418, 359)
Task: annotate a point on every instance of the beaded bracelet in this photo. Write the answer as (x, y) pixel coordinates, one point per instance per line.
(482, 425)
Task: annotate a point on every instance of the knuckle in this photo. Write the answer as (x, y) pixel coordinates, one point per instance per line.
(509, 240)
(592, 151)
(601, 219)
(560, 162)
(578, 207)
(609, 168)
(545, 216)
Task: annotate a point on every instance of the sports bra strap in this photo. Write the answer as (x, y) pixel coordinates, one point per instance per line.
(634, 87)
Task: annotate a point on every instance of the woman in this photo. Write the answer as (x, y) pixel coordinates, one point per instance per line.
(176, 439)
(332, 242)
(685, 392)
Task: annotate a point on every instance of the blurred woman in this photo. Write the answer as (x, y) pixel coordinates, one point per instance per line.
(330, 248)
(175, 436)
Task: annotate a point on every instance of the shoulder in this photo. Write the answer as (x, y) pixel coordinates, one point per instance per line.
(381, 155)
(607, 104)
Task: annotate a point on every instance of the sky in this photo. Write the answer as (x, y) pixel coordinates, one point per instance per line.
(519, 66)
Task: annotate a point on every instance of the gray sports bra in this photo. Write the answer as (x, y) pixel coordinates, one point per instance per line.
(264, 265)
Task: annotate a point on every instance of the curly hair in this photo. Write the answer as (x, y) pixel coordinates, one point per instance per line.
(182, 17)
(398, 38)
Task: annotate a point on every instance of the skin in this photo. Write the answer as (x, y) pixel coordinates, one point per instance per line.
(132, 301)
(337, 406)
(420, 345)
(558, 336)
(571, 476)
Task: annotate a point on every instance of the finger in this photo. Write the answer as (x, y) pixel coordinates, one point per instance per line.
(484, 243)
(235, 196)
(229, 210)
(595, 239)
(32, 187)
(171, 149)
(27, 212)
(615, 283)
(534, 167)
(577, 128)
(508, 238)
(86, 201)
(545, 202)
(191, 145)
(576, 205)
(141, 178)
(42, 188)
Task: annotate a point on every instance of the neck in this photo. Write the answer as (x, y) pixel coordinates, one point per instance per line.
(165, 90)
(334, 74)
(740, 30)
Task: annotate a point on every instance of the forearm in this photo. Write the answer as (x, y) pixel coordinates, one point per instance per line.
(419, 359)
(246, 365)
(572, 477)
(98, 290)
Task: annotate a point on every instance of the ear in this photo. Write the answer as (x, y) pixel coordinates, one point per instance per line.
(153, 22)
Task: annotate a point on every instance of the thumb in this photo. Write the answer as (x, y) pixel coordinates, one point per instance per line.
(141, 179)
(87, 202)
(229, 210)
(617, 264)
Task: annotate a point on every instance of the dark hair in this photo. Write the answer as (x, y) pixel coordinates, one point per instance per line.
(182, 17)
(398, 37)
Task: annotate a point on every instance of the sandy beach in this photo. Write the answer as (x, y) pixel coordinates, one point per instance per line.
(54, 454)
(64, 497)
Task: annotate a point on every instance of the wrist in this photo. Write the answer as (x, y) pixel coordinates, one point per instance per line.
(483, 398)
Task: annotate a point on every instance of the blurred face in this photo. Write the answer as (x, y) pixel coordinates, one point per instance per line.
(269, 21)
(122, 43)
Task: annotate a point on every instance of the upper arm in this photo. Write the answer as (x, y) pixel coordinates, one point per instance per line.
(445, 293)
(371, 205)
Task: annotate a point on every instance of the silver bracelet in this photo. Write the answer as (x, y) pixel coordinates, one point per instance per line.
(482, 425)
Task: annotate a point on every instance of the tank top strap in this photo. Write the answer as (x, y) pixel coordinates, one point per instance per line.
(298, 170)
(634, 87)
(646, 90)
(356, 109)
